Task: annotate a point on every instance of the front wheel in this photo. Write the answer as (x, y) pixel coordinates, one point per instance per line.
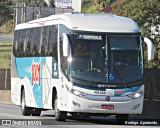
(26, 111)
(59, 115)
(121, 118)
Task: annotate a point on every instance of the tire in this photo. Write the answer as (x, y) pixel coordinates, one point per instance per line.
(26, 111)
(36, 112)
(121, 118)
(59, 115)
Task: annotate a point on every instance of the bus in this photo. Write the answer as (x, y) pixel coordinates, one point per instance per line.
(79, 64)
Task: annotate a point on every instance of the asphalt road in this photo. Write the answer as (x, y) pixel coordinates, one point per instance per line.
(12, 114)
(6, 38)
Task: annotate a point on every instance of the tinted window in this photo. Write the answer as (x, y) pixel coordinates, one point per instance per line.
(52, 44)
(36, 44)
(44, 50)
(29, 45)
(15, 42)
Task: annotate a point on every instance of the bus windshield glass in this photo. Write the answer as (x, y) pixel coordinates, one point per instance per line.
(106, 59)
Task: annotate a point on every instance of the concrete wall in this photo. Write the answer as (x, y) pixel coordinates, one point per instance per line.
(152, 84)
(5, 79)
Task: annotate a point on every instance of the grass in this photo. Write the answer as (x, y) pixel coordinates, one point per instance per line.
(8, 27)
(5, 54)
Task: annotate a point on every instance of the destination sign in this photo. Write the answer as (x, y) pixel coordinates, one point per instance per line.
(63, 3)
(90, 37)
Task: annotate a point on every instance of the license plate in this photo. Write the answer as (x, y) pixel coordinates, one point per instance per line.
(106, 106)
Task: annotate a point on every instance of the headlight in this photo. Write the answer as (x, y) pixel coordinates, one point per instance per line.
(78, 93)
(136, 95)
(75, 92)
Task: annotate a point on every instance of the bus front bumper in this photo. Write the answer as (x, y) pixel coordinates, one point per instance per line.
(80, 104)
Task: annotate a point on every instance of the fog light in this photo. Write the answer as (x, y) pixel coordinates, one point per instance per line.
(76, 104)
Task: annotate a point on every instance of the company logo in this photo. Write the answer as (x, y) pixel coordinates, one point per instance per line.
(35, 73)
(106, 86)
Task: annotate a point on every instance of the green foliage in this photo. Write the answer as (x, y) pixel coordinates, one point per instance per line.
(5, 54)
(35, 3)
(146, 14)
(9, 27)
(89, 7)
(5, 11)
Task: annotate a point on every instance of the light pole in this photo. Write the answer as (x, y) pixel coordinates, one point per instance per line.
(16, 12)
(4, 32)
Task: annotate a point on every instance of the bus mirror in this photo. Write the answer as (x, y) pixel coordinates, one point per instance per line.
(66, 45)
(150, 48)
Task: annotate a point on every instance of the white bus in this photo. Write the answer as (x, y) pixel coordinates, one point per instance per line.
(82, 64)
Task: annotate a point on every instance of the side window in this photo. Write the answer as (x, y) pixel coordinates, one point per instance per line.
(29, 45)
(15, 43)
(44, 50)
(52, 43)
(51, 48)
(21, 40)
(25, 43)
(36, 44)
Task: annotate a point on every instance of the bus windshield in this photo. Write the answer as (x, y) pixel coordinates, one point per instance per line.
(106, 59)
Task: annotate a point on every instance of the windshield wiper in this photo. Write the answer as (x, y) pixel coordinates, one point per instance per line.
(117, 71)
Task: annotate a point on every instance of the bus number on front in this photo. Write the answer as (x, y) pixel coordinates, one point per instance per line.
(100, 92)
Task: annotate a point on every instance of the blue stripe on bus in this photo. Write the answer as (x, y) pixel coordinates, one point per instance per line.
(126, 90)
(24, 67)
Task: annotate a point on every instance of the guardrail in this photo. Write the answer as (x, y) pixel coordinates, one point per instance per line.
(5, 79)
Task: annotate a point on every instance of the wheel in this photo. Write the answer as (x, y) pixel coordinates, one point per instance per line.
(36, 112)
(121, 118)
(59, 115)
(26, 111)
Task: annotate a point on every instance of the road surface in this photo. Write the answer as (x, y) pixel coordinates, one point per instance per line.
(12, 114)
(6, 38)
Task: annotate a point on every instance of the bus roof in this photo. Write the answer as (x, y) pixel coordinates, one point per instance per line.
(87, 22)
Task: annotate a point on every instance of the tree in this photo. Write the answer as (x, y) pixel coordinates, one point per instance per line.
(146, 14)
(5, 10)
